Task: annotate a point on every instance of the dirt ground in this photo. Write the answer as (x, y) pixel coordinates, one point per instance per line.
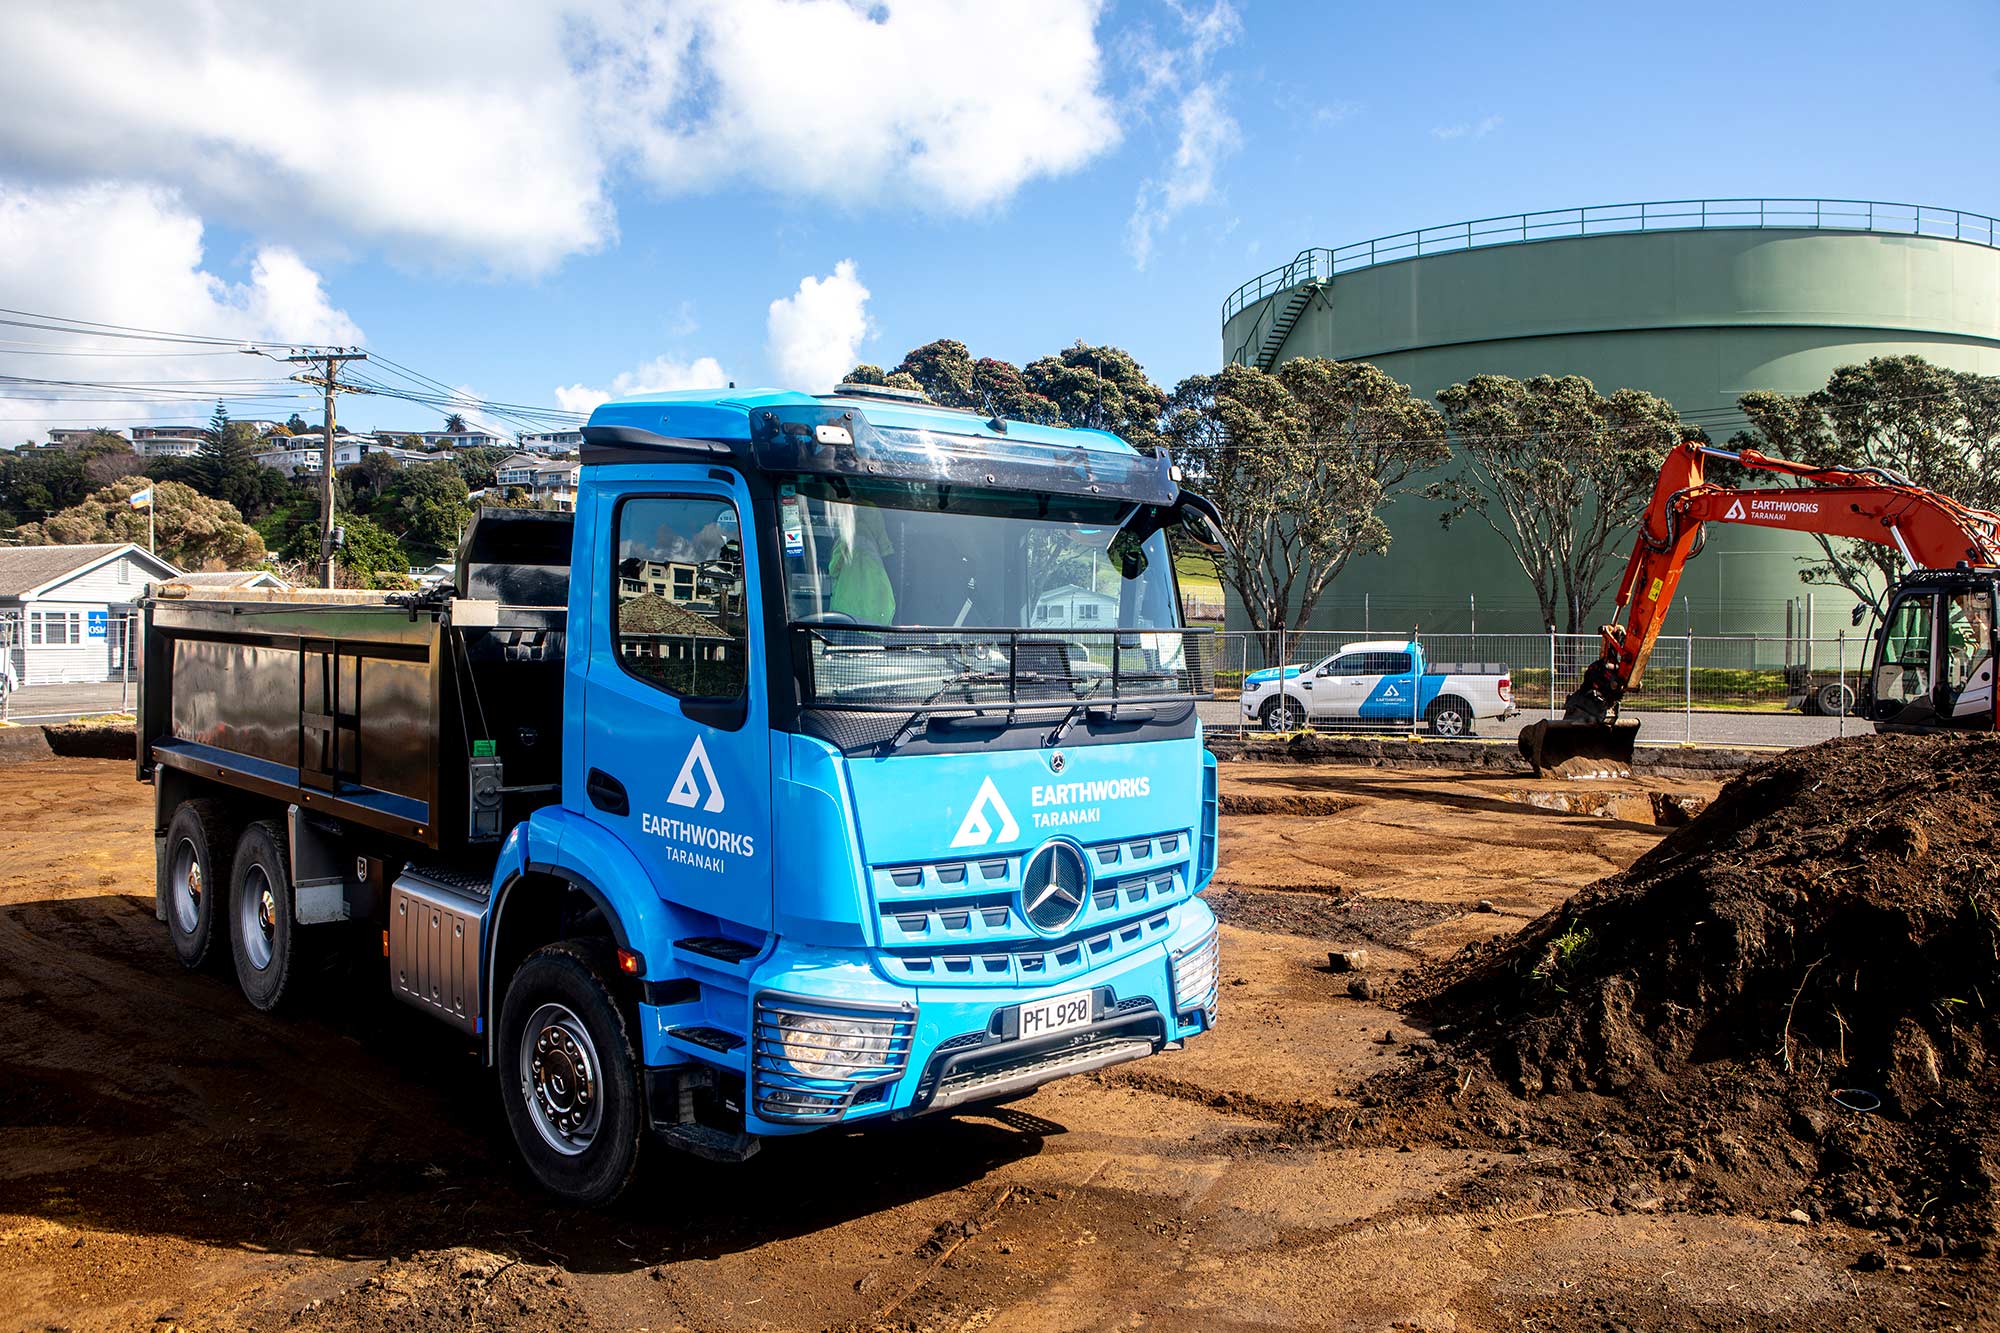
(170, 1159)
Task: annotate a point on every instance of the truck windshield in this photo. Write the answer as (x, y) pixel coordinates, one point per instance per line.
(919, 593)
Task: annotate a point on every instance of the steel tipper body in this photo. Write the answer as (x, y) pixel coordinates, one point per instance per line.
(858, 776)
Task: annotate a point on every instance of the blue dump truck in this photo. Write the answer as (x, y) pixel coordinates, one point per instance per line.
(837, 760)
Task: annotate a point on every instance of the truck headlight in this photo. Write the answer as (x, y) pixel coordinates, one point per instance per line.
(1198, 976)
(832, 1047)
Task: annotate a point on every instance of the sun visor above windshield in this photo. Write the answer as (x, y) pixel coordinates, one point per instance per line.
(841, 441)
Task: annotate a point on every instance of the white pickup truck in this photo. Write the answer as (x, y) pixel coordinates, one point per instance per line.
(1385, 683)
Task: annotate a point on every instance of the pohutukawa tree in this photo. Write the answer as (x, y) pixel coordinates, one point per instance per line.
(1302, 464)
(1561, 472)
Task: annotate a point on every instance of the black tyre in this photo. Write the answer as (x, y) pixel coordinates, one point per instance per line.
(1282, 714)
(569, 1075)
(1450, 717)
(195, 881)
(262, 931)
(1835, 699)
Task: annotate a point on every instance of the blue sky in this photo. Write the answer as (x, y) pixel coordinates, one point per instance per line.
(1108, 174)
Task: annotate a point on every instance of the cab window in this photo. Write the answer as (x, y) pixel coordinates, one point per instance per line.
(678, 599)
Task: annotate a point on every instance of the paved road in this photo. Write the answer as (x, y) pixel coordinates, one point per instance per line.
(52, 703)
(1705, 728)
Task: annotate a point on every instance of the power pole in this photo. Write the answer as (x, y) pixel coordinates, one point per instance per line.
(332, 359)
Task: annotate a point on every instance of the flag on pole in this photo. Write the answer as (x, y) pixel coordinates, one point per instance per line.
(141, 499)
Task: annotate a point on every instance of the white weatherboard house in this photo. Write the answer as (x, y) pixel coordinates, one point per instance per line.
(65, 608)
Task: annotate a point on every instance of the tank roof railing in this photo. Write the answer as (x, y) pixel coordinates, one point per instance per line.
(1860, 215)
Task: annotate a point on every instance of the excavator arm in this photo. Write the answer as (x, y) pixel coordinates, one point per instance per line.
(1932, 531)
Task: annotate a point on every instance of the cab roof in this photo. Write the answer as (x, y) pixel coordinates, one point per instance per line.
(724, 414)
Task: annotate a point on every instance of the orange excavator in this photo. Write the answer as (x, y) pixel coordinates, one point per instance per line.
(1933, 663)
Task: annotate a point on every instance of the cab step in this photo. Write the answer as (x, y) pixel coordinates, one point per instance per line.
(719, 948)
(716, 1145)
(714, 1039)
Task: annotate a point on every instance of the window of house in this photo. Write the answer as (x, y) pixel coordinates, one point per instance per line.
(55, 628)
(690, 651)
(683, 583)
(1087, 610)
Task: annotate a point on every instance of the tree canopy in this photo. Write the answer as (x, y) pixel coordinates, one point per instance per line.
(1301, 463)
(1561, 473)
(190, 529)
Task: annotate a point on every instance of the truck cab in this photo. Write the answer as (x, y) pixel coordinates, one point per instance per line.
(877, 788)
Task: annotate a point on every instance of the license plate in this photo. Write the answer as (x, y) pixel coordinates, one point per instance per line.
(1055, 1014)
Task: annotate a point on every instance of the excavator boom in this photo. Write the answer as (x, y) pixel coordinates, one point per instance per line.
(1930, 530)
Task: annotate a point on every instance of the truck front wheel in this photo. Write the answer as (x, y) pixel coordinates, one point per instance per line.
(197, 873)
(568, 1075)
(262, 931)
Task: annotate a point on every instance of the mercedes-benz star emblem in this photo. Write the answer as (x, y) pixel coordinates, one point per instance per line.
(1055, 888)
(1056, 762)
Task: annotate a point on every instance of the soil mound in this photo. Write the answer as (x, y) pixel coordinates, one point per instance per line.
(1824, 931)
(455, 1288)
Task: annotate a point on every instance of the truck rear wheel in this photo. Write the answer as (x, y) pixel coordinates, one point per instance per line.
(262, 931)
(1450, 716)
(569, 1077)
(197, 880)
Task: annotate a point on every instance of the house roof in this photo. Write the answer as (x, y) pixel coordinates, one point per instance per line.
(650, 613)
(515, 461)
(27, 569)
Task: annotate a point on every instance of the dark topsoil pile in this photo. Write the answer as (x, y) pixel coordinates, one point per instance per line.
(1792, 999)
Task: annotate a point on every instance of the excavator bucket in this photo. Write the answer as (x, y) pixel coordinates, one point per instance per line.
(1579, 749)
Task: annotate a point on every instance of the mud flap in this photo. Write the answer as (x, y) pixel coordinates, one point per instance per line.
(1579, 749)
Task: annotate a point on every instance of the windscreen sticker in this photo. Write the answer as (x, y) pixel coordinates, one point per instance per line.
(792, 521)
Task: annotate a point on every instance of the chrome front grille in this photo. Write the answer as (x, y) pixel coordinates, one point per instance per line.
(811, 1060)
(960, 922)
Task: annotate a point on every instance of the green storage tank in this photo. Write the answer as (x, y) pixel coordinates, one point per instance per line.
(1697, 301)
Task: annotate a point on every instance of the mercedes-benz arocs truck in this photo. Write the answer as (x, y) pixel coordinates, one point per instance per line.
(836, 760)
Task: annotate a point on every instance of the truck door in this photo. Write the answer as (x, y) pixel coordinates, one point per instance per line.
(1392, 688)
(676, 741)
(1339, 687)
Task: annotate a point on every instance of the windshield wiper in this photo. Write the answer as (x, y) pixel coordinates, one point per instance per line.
(921, 714)
(1076, 710)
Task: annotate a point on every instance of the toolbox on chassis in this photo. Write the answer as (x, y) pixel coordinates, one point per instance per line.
(837, 760)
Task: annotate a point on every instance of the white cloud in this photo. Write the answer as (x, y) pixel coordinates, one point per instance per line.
(493, 133)
(660, 375)
(950, 104)
(133, 255)
(1206, 132)
(814, 335)
(1467, 129)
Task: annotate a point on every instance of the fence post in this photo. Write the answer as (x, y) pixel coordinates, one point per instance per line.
(1552, 671)
(125, 665)
(1841, 729)
(1416, 680)
(1687, 676)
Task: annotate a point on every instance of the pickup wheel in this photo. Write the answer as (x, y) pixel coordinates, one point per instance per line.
(1450, 716)
(196, 871)
(263, 934)
(1282, 714)
(569, 1077)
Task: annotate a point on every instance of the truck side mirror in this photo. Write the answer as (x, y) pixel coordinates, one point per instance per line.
(1201, 521)
(1859, 614)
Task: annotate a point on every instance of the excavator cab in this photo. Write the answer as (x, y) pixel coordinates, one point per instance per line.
(1934, 664)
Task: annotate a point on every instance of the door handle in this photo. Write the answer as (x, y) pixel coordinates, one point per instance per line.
(607, 793)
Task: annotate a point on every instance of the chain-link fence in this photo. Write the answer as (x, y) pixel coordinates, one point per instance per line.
(1686, 674)
(59, 662)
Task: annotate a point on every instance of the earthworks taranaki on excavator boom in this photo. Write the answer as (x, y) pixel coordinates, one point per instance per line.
(1932, 531)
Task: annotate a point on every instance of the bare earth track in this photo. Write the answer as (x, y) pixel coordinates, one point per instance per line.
(170, 1159)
